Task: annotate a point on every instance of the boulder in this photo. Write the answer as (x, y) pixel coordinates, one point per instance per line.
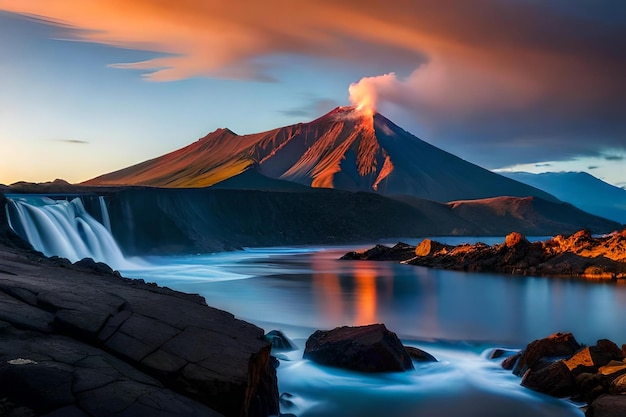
(370, 348)
(607, 406)
(514, 239)
(279, 341)
(618, 385)
(541, 352)
(591, 358)
(555, 379)
(429, 247)
(509, 362)
(419, 355)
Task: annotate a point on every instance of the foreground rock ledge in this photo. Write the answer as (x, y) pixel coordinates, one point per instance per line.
(578, 255)
(74, 342)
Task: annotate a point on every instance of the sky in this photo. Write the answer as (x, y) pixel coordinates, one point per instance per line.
(93, 86)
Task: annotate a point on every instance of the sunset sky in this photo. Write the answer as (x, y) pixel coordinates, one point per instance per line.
(88, 87)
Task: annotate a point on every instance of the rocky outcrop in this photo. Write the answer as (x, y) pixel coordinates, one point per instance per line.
(578, 255)
(77, 342)
(557, 365)
(370, 348)
(398, 252)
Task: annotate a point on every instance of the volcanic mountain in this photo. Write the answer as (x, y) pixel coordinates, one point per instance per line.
(346, 149)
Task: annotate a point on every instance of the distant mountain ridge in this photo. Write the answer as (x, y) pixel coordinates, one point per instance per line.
(581, 189)
(344, 149)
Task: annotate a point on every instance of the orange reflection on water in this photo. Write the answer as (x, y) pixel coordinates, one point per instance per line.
(365, 294)
(326, 288)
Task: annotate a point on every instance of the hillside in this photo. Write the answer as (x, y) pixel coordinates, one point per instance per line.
(581, 189)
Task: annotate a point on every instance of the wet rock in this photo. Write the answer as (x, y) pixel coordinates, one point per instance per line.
(370, 348)
(607, 406)
(501, 353)
(555, 379)
(618, 385)
(509, 363)
(279, 341)
(590, 386)
(557, 345)
(180, 357)
(419, 355)
(590, 359)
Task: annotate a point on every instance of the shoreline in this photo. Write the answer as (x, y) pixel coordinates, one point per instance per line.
(129, 344)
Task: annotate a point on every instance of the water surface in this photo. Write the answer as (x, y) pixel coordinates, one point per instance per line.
(458, 317)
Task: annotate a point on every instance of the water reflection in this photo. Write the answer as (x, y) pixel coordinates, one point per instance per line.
(314, 290)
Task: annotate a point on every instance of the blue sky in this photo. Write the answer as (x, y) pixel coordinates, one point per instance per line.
(88, 88)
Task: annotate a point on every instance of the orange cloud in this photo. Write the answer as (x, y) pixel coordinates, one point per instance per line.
(463, 57)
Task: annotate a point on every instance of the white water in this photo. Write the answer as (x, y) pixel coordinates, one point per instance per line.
(64, 228)
(454, 316)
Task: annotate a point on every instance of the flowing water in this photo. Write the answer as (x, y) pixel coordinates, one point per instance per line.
(457, 317)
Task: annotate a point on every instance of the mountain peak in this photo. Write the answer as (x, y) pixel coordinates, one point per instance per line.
(348, 148)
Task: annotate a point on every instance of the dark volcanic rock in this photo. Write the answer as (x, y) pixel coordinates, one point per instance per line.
(279, 341)
(419, 355)
(607, 406)
(558, 366)
(398, 252)
(554, 379)
(370, 348)
(60, 375)
(538, 352)
(76, 341)
(579, 255)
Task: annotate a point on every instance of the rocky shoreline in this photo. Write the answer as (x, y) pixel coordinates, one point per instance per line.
(79, 340)
(579, 255)
(561, 367)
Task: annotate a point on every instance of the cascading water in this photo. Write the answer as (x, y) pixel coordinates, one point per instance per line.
(64, 228)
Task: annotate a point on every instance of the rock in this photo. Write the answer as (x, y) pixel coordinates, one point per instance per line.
(419, 355)
(173, 355)
(509, 363)
(555, 379)
(607, 406)
(97, 267)
(399, 252)
(590, 387)
(429, 247)
(579, 255)
(590, 359)
(279, 341)
(501, 353)
(514, 239)
(557, 345)
(58, 376)
(370, 348)
(618, 385)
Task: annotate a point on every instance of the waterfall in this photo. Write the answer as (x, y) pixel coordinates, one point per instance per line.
(105, 214)
(64, 228)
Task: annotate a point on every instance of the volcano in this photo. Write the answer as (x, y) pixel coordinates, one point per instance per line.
(346, 149)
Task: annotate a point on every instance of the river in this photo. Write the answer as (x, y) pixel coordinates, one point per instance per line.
(458, 317)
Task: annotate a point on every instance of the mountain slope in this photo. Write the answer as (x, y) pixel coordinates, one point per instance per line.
(345, 149)
(581, 189)
(529, 216)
